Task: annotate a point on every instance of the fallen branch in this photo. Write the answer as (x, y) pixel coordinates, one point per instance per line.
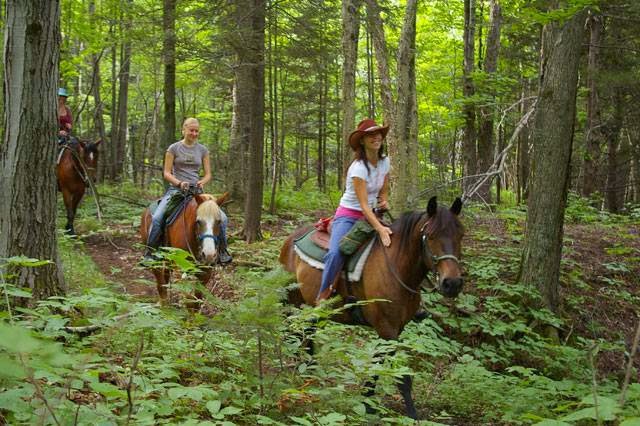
(91, 328)
(627, 375)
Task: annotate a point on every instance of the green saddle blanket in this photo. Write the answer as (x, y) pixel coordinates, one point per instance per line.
(309, 251)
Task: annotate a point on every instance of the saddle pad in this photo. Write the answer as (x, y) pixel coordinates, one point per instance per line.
(308, 251)
(176, 205)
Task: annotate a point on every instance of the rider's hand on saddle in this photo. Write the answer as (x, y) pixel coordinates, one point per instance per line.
(385, 235)
(200, 184)
(62, 133)
(183, 186)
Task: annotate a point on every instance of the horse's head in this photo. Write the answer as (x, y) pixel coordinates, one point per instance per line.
(90, 157)
(208, 229)
(441, 236)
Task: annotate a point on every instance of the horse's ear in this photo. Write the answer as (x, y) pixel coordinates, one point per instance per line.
(98, 142)
(221, 199)
(456, 207)
(432, 207)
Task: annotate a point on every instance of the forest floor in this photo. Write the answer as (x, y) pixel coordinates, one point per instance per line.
(599, 279)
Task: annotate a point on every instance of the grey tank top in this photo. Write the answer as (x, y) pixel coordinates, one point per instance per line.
(187, 160)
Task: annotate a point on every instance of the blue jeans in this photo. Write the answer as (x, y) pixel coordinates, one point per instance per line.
(159, 217)
(334, 259)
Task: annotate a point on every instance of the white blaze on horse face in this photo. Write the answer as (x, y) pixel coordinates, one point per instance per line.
(209, 249)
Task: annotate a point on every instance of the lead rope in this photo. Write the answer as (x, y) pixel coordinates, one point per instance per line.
(393, 269)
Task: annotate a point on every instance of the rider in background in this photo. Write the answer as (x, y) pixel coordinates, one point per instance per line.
(65, 119)
(367, 181)
(182, 163)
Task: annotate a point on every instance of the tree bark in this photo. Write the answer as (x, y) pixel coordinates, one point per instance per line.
(169, 61)
(249, 48)
(614, 192)
(469, 138)
(350, 31)
(552, 141)
(27, 179)
(486, 145)
(405, 136)
(594, 135)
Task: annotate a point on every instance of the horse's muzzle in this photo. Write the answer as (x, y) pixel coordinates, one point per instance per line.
(451, 287)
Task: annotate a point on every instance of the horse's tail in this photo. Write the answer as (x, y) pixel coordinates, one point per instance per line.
(145, 224)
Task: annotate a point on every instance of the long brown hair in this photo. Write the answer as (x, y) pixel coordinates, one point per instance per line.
(360, 153)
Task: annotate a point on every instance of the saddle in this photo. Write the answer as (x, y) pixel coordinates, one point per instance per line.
(175, 207)
(312, 247)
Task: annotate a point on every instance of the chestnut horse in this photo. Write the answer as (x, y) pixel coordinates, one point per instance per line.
(196, 230)
(77, 163)
(422, 242)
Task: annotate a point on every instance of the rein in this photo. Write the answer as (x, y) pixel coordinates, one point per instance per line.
(425, 253)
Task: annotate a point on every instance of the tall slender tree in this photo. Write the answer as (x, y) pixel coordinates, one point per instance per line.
(169, 61)
(552, 140)
(27, 154)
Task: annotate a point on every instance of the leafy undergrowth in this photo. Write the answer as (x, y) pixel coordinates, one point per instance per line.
(102, 355)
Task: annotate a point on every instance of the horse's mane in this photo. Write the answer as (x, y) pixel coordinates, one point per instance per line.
(209, 209)
(439, 224)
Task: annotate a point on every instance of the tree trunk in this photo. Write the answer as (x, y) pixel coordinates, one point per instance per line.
(523, 167)
(239, 142)
(169, 61)
(96, 84)
(27, 180)
(405, 121)
(614, 192)
(468, 90)
(273, 104)
(594, 135)
(552, 141)
(350, 31)
(249, 47)
(486, 145)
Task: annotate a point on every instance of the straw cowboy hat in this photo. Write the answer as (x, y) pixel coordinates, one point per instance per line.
(366, 126)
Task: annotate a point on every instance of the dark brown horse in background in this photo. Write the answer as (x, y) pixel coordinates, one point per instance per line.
(77, 164)
(196, 230)
(422, 242)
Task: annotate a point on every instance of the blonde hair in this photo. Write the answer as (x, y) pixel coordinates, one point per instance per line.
(189, 121)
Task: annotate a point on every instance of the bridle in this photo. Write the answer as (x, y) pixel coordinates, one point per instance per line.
(425, 253)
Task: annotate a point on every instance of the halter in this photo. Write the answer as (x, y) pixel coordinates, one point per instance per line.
(215, 238)
(425, 253)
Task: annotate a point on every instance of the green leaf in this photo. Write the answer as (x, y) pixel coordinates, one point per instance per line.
(213, 406)
(230, 411)
(10, 368)
(16, 292)
(26, 261)
(301, 421)
(549, 422)
(631, 421)
(107, 389)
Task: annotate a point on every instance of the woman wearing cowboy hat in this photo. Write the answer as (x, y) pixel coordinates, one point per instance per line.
(367, 181)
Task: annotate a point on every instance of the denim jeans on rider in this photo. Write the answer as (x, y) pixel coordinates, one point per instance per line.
(334, 259)
(159, 217)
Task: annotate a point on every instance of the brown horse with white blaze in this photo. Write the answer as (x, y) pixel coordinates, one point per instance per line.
(197, 229)
(422, 242)
(77, 163)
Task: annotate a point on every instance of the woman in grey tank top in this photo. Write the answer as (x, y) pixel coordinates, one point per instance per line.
(182, 163)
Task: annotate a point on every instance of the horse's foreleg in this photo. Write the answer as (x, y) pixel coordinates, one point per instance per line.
(405, 390)
(67, 197)
(204, 278)
(162, 279)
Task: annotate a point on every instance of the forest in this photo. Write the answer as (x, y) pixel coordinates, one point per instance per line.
(514, 148)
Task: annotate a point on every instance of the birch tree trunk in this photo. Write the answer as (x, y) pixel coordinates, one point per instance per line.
(552, 140)
(486, 145)
(28, 151)
(350, 31)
